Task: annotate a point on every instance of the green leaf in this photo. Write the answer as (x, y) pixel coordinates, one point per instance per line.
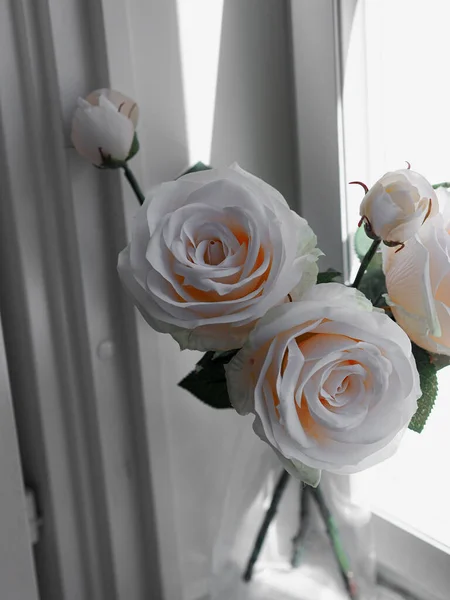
(373, 285)
(362, 243)
(207, 381)
(443, 184)
(439, 360)
(199, 166)
(328, 276)
(429, 385)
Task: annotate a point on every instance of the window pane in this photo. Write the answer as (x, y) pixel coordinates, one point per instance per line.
(397, 108)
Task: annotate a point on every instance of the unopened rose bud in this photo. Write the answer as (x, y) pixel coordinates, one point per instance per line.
(418, 282)
(103, 128)
(395, 208)
(125, 105)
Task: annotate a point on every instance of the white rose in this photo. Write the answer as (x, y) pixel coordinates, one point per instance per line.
(418, 282)
(397, 205)
(331, 381)
(101, 131)
(211, 253)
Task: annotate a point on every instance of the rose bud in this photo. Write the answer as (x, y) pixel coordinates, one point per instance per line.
(395, 208)
(103, 128)
(418, 282)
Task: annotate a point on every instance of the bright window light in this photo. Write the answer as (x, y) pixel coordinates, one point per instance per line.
(397, 108)
(200, 26)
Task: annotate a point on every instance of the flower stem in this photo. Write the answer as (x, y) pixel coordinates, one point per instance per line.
(134, 184)
(298, 540)
(270, 514)
(365, 262)
(336, 543)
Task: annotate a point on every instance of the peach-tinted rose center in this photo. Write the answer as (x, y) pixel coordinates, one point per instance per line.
(443, 291)
(214, 255)
(310, 426)
(308, 423)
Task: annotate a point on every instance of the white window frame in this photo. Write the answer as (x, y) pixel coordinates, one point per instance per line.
(319, 126)
(320, 32)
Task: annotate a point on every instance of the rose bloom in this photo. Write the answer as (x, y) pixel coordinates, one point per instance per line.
(103, 126)
(418, 282)
(331, 381)
(211, 252)
(397, 205)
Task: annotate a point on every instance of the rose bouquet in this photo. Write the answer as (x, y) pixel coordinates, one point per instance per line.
(333, 372)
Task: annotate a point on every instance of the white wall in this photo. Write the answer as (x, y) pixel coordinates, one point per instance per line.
(254, 118)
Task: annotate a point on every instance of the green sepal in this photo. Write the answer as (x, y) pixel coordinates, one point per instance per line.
(362, 243)
(429, 385)
(207, 381)
(134, 147)
(111, 163)
(199, 166)
(328, 276)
